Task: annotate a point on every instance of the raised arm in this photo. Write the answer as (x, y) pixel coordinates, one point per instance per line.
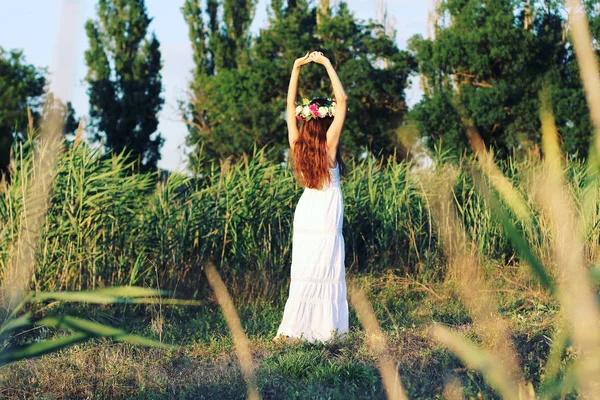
(291, 99)
(335, 130)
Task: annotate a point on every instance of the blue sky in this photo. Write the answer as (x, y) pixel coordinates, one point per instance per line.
(33, 26)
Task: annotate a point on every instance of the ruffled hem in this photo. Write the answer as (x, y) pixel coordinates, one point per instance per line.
(312, 339)
(314, 321)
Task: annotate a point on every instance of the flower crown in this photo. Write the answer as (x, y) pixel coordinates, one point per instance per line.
(306, 111)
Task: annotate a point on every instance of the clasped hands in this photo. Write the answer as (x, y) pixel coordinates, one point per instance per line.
(315, 56)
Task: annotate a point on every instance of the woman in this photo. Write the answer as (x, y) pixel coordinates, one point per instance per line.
(317, 308)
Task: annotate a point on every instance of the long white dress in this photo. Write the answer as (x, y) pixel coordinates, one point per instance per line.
(317, 306)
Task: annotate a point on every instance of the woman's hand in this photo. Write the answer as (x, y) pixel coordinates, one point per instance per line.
(319, 58)
(302, 60)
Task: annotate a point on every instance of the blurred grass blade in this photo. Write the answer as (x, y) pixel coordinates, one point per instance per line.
(587, 60)
(511, 196)
(560, 388)
(473, 357)
(17, 277)
(11, 325)
(40, 348)
(83, 297)
(590, 197)
(589, 71)
(240, 340)
(550, 145)
(595, 275)
(377, 343)
(551, 378)
(124, 294)
(97, 298)
(160, 300)
(95, 329)
(130, 291)
(516, 237)
(101, 296)
(466, 272)
(525, 251)
(579, 302)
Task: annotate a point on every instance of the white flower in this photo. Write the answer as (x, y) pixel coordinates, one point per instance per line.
(298, 110)
(332, 111)
(322, 112)
(306, 111)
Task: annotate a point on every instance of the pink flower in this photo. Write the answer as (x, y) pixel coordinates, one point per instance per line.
(314, 109)
(299, 117)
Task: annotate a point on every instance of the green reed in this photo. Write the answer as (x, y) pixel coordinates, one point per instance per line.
(108, 226)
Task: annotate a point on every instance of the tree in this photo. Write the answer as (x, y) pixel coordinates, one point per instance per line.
(124, 80)
(21, 87)
(492, 57)
(376, 93)
(221, 58)
(237, 17)
(233, 109)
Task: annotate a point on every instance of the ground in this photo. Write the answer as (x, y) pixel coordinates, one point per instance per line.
(205, 365)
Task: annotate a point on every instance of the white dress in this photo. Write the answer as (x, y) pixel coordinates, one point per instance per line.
(317, 307)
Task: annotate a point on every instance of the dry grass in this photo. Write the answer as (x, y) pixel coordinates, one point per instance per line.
(377, 343)
(208, 365)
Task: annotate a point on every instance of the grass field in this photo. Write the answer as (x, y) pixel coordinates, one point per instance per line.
(206, 367)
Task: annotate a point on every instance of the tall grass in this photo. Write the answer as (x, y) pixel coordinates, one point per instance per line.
(108, 226)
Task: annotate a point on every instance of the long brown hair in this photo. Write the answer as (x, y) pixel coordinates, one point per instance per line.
(309, 158)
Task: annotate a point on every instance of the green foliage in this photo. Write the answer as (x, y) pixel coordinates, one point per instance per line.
(234, 106)
(124, 80)
(493, 58)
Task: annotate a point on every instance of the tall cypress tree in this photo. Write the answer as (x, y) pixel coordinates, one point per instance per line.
(221, 51)
(124, 80)
(237, 17)
(205, 42)
(192, 13)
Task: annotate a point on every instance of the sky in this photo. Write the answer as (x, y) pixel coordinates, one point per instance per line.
(38, 27)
